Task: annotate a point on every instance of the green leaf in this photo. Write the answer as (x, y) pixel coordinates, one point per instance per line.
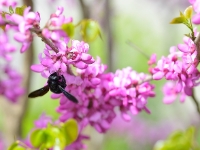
(179, 140)
(55, 137)
(38, 137)
(181, 14)
(15, 146)
(90, 30)
(178, 20)
(70, 129)
(20, 10)
(188, 12)
(69, 29)
(11, 10)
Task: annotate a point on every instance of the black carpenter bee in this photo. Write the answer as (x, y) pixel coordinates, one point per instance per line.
(56, 84)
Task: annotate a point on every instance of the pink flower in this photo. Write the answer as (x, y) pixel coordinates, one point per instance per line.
(196, 7)
(53, 28)
(10, 86)
(25, 23)
(188, 46)
(152, 59)
(6, 48)
(59, 62)
(8, 3)
(43, 121)
(171, 92)
(100, 93)
(179, 67)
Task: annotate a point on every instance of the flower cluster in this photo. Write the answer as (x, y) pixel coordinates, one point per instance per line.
(180, 66)
(24, 23)
(75, 55)
(6, 48)
(10, 85)
(100, 93)
(53, 28)
(10, 80)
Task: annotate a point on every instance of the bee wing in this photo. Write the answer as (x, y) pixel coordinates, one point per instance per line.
(68, 95)
(39, 92)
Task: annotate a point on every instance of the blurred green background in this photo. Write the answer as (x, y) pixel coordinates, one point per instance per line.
(146, 24)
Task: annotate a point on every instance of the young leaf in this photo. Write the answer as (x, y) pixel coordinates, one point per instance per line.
(11, 10)
(90, 30)
(70, 129)
(20, 10)
(69, 29)
(15, 146)
(181, 14)
(188, 12)
(178, 20)
(37, 138)
(55, 137)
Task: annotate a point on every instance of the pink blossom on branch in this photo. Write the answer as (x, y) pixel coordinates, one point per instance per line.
(75, 55)
(180, 66)
(25, 23)
(100, 93)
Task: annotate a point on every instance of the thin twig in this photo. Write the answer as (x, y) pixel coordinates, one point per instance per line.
(138, 49)
(107, 21)
(44, 39)
(85, 10)
(39, 34)
(195, 101)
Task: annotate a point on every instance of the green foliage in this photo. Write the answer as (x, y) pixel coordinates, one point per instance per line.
(20, 10)
(185, 18)
(53, 136)
(11, 10)
(69, 29)
(90, 30)
(179, 140)
(70, 127)
(16, 146)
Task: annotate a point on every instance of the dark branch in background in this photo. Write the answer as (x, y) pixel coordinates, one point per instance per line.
(107, 22)
(29, 55)
(196, 102)
(85, 10)
(197, 43)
